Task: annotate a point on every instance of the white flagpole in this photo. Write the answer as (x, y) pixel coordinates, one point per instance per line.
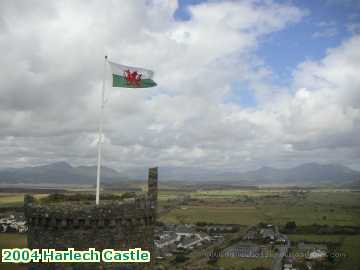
(102, 103)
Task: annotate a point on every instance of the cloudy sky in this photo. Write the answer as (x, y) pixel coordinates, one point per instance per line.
(241, 84)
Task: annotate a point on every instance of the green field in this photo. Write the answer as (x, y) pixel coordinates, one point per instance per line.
(15, 199)
(234, 263)
(227, 263)
(272, 206)
(214, 214)
(351, 247)
(12, 240)
(249, 207)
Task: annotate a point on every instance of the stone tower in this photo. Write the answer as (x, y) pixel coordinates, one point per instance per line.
(117, 225)
(153, 186)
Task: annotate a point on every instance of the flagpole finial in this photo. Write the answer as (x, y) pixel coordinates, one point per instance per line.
(106, 57)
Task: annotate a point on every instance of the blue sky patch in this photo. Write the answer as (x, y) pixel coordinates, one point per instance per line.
(182, 12)
(326, 26)
(241, 94)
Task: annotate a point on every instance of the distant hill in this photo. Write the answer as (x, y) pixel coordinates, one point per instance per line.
(309, 173)
(353, 185)
(305, 174)
(59, 173)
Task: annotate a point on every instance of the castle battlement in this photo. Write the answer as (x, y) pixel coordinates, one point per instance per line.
(114, 224)
(84, 214)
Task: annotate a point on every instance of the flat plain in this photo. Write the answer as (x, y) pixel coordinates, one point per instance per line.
(332, 207)
(248, 207)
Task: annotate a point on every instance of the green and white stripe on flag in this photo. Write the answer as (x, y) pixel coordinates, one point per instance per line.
(131, 77)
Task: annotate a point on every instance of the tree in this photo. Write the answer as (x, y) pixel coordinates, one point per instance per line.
(200, 224)
(331, 257)
(181, 258)
(262, 225)
(290, 226)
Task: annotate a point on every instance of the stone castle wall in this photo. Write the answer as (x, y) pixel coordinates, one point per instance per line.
(119, 225)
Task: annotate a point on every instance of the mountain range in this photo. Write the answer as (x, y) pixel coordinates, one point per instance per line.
(64, 173)
(305, 174)
(58, 173)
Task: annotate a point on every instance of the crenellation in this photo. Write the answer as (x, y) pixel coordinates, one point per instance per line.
(86, 222)
(81, 225)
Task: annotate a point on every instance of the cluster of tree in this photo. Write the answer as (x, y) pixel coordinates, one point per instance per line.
(276, 196)
(291, 228)
(180, 258)
(203, 224)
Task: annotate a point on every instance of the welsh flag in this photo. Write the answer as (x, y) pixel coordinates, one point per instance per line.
(131, 77)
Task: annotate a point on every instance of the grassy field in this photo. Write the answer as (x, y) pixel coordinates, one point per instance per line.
(351, 247)
(273, 206)
(12, 240)
(11, 199)
(222, 214)
(227, 263)
(243, 263)
(15, 199)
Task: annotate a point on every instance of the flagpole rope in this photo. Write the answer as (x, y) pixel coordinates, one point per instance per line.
(100, 135)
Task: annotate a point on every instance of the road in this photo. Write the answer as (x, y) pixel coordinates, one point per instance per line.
(277, 261)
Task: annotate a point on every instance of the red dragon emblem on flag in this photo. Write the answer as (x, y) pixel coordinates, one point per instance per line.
(132, 78)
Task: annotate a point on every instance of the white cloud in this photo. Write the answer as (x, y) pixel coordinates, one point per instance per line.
(354, 28)
(325, 33)
(327, 29)
(50, 87)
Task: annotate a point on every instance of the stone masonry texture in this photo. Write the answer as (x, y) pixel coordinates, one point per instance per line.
(118, 225)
